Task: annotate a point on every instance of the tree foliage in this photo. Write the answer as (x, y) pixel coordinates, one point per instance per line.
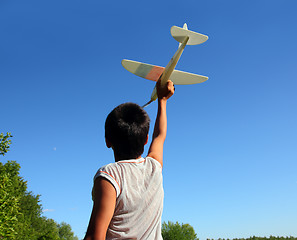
(65, 232)
(4, 143)
(11, 188)
(261, 238)
(21, 211)
(175, 231)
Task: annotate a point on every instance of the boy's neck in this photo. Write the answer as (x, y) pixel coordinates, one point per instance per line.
(116, 158)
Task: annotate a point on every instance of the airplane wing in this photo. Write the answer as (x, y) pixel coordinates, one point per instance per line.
(153, 72)
(147, 71)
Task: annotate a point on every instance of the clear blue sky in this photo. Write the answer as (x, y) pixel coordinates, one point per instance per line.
(231, 152)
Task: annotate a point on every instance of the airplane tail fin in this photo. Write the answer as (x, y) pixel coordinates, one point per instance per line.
(179, 35)
(184, 27)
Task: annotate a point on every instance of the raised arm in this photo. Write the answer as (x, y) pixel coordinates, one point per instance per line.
(160, 130)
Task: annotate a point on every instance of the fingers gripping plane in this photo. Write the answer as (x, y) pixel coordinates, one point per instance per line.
(154, 73)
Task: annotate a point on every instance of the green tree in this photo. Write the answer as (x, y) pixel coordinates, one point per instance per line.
(48, 230)
(11, 189)
(175, 231)
(65, 232)
(20, 210)
(4, 143)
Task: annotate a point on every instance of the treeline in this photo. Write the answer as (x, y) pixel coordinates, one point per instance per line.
(177, 231)
(20, 210)
(259, 238)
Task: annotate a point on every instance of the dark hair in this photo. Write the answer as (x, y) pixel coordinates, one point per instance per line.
(126, 128)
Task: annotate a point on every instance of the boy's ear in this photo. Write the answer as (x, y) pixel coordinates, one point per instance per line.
(146, 140)
(108, 144)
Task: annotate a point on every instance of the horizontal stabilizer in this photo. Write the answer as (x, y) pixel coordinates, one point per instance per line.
(153, 72)
(186, 78)
(179, 35)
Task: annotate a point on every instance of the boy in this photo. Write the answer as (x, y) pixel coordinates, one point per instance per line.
(128, 194)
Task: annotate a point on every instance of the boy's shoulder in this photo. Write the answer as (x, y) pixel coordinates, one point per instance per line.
(111, 173)
(109, 169)
(154, 161)
(116, 166)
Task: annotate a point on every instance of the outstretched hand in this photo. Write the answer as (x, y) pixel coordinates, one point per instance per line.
(166, 91)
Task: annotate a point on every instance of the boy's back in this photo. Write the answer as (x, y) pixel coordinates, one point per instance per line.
(128, 194)
(139, 204)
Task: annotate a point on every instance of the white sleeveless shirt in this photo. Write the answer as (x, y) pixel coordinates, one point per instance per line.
(139, 204)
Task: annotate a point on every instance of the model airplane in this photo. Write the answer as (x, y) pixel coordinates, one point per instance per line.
(154, 73)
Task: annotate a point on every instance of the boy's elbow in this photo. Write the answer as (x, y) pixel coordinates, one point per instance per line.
(160, 135)
(89, 236)
(92, 236)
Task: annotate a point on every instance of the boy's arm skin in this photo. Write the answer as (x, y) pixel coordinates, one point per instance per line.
(103, 209)
(160, 130)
